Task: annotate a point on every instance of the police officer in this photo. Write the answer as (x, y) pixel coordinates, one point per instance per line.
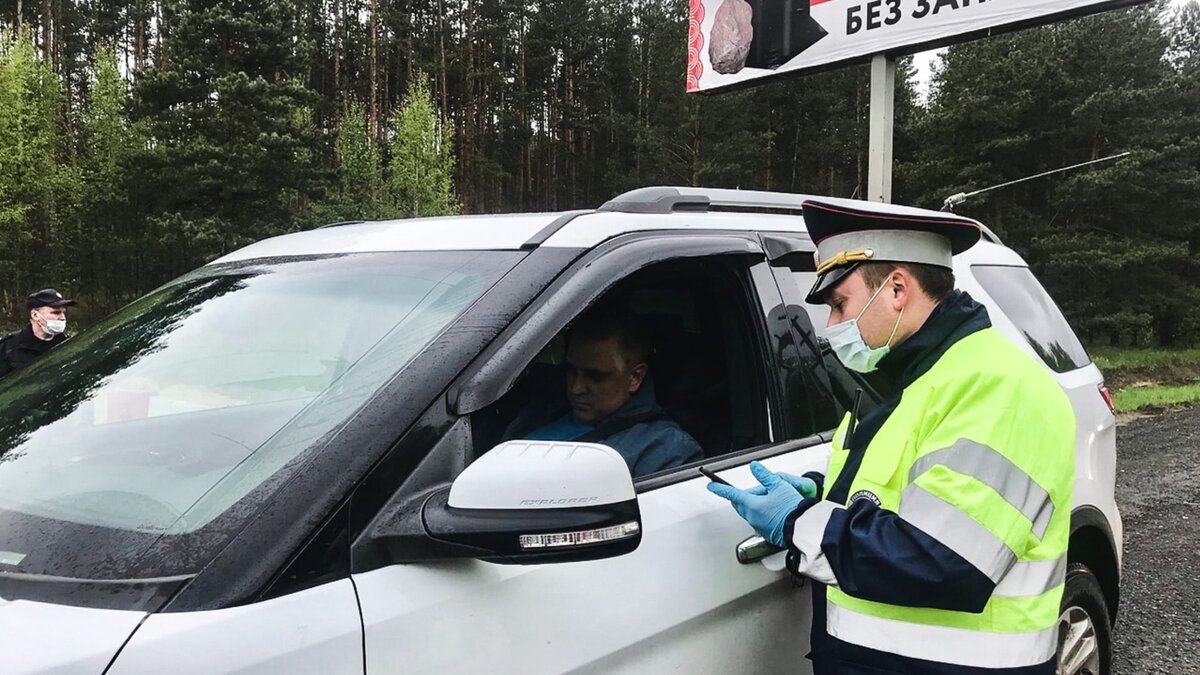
(937, 537)
(46, 330)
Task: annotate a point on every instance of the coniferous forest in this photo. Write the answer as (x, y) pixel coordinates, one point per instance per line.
(140, 138)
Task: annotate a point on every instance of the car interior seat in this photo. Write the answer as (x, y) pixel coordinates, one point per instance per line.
(688, 367)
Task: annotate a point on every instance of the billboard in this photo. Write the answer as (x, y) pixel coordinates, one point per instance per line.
(735, 41)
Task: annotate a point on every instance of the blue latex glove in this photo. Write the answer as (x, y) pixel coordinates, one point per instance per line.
(807, 487)
(766, 512)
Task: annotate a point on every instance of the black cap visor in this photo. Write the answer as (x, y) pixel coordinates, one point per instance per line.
(827, 281)
(47, 297)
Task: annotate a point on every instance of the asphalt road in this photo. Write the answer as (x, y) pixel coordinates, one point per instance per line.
(1158, 491)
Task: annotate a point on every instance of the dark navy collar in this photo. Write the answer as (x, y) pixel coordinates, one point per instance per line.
(954, 318)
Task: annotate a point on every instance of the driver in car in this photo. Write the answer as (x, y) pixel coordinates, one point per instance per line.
(611, 396)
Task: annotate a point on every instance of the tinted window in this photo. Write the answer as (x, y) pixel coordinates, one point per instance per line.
(830, 388)
(1026, 303)
(203, 394)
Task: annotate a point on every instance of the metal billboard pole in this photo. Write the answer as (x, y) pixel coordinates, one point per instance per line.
(883, 117)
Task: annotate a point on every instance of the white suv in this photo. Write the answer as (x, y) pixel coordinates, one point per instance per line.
(290, 459)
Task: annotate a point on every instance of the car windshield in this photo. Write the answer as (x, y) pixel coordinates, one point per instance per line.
(161, 418)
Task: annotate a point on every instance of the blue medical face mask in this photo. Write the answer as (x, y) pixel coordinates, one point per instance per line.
(847, 341)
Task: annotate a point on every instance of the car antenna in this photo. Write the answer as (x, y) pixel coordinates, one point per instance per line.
(956, 199)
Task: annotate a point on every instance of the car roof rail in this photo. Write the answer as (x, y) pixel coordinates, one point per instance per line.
(989, 235)
(548, 231)
(340, 223)
(670, 199)
(656, 200)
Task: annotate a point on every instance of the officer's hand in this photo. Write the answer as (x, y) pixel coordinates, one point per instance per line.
(807, 487)
(765, 512)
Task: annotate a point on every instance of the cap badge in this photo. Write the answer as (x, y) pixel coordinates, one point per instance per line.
(845, 257)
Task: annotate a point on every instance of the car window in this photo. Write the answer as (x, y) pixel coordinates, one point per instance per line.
(1030, 308)
(168, 413)
(704, 387)
(828, 388)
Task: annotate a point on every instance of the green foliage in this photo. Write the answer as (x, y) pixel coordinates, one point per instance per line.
(37, 187)
(228, 154)
(1154, 397)
(1114, 244)
(213, 123)
(1112, 360)
(359, 174)
(421, 171)
(1184, 53)
(108, 139)
(107, 232)
(1149, 378)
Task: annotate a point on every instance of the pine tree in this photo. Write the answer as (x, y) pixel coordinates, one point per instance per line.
(421, 170)
(359, 172)
(1113, 242)
(230, 157)
(37, 186)
(1185, 38)
(108, 255)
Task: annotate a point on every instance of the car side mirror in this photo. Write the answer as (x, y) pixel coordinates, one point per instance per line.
(522, 502)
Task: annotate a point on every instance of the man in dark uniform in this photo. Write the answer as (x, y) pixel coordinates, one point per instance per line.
(46, 330)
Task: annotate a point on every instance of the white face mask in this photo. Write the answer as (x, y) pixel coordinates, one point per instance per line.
(56, 326)
(847, 341)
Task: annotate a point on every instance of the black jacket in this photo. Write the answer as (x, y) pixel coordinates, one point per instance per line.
(22, 348)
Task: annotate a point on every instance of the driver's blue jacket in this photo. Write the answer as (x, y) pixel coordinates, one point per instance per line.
(642, 433)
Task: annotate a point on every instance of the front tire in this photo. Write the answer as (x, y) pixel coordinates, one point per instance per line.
(1084, 630)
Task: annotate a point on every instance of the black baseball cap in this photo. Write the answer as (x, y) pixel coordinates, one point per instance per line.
(47, 297)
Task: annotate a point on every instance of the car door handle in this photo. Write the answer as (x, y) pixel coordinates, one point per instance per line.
(755, 548)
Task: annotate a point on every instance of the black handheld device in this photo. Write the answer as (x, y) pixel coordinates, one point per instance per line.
(713, 477)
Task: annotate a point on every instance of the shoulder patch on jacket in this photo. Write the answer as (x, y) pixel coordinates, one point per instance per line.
(867, 495)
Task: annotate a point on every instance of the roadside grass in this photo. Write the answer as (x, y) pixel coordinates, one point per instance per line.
(1150, 379)
(1116, 359)
(1141, 398)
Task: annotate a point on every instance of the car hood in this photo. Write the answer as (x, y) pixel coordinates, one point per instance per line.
(52, 639)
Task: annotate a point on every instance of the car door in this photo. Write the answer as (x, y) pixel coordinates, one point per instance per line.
(681, 602)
